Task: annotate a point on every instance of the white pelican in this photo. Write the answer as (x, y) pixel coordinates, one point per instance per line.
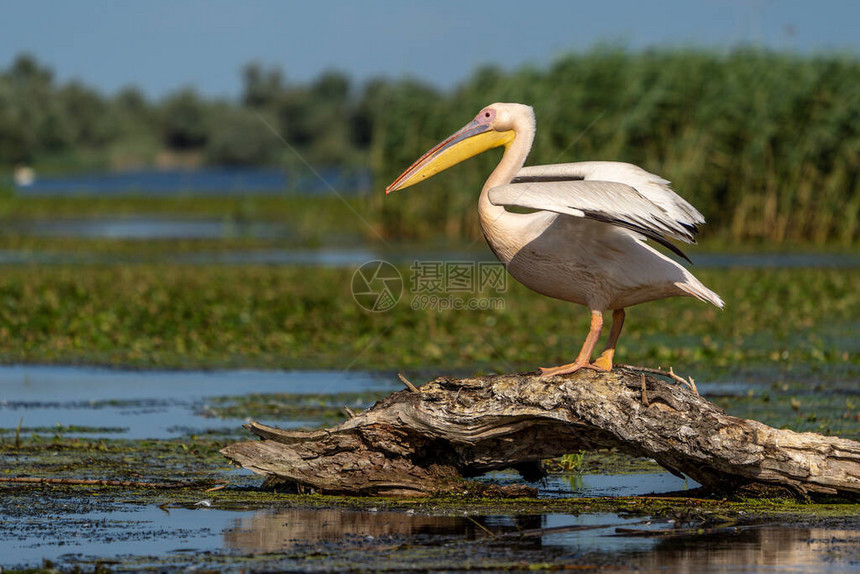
(585, 243)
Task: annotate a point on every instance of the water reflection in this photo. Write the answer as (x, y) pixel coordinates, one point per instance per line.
(278, 531)
(84, 532)
(284, 529)
(595, 538)
(761, 549)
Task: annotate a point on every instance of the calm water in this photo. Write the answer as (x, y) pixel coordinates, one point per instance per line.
(153, 404)
(142, 228)
(204, 181)
(336, 539)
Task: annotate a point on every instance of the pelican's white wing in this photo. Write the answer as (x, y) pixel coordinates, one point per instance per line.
(570, 189)
(650, 186)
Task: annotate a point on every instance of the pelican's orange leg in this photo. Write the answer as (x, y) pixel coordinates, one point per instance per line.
(583, 360)
(604, 361)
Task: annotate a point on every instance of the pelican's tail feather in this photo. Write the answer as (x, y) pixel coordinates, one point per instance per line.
(696, 289)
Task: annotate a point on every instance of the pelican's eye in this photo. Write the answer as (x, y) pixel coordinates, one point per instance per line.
(486, 116)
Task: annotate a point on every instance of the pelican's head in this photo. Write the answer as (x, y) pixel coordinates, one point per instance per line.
(496, 125)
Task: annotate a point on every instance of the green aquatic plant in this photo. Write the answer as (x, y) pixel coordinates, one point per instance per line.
(788, 321)
(572, 462)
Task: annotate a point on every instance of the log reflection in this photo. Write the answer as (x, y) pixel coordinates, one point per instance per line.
(283, 529)
(807, 549)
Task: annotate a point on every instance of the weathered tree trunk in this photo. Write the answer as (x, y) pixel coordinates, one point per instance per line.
(422, 441)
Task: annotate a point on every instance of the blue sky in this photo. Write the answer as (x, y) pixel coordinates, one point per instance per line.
(162, 45)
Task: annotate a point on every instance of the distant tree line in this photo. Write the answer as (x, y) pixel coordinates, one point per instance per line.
(72, 126)
(766, 144)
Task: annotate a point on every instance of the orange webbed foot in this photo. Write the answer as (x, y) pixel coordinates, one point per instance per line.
(604, 361)
(567, 369)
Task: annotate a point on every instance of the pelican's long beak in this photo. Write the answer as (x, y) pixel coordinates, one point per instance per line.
(472, 139)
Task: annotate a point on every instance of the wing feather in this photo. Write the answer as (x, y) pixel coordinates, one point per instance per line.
(649, 207)
(651, 186)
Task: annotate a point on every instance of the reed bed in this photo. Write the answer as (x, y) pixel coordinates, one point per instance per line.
(766, 144)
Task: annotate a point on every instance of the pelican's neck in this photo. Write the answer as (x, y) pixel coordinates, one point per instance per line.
(513, 159)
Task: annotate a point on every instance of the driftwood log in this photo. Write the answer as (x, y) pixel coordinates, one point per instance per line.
(425, 440)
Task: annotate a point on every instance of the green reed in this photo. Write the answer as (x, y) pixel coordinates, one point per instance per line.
(767, 145)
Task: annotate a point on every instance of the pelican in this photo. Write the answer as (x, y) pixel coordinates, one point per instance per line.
(585, 240)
